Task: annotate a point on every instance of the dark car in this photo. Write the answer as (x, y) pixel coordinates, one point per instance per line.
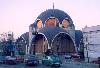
(51, 60)
(96, 61)
(75, 55)
(10, 60)
(19, 59)
(31, 60)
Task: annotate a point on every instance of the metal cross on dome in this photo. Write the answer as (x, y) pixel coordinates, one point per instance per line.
(53, 5)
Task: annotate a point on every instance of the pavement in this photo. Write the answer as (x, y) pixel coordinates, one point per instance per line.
(65, 64)
(75, 64)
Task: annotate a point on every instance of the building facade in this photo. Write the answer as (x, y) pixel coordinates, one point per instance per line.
(6, 36)
(91, 39)
(53, 29)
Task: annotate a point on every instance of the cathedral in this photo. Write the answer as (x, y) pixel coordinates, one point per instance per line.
(53, 29)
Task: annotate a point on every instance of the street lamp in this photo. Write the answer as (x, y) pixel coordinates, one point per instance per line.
(87, 43)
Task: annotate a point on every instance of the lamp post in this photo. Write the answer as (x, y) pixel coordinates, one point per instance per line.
(87, 43)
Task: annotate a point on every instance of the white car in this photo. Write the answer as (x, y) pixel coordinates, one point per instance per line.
(68, 56)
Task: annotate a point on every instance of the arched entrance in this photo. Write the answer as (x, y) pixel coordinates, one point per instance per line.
(62, 43)
(39, 44)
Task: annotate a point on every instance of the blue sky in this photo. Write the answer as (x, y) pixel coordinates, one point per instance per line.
(17, 15)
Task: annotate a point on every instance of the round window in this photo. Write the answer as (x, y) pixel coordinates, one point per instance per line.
(65, 23)
(39, 24)
(51, 22)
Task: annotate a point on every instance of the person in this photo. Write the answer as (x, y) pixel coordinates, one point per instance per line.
(48, 52)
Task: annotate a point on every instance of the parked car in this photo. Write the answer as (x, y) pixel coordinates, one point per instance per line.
(68, 56)
(2, 59)
(96, 61)
(10, 60)
(31, 60)
(19, 59)
(75, 55)
(52, 60)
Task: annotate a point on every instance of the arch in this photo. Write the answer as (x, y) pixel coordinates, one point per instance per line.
(67, 45)
(52, 21)
(39, 44)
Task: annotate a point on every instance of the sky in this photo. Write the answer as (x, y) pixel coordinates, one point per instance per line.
(17, 15)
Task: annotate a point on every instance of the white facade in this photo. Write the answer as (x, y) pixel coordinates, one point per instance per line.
(6, 36)
(3, 37)
(91, 39)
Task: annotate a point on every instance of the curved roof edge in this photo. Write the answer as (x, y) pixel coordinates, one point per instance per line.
(59, 14)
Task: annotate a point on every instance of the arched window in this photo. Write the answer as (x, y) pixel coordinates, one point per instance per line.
(39, 24)
(65, 23)
(51, 22)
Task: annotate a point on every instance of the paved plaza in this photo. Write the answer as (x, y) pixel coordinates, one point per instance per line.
(65, 64)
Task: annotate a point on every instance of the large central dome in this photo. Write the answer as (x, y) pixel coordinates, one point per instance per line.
(60, 15)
